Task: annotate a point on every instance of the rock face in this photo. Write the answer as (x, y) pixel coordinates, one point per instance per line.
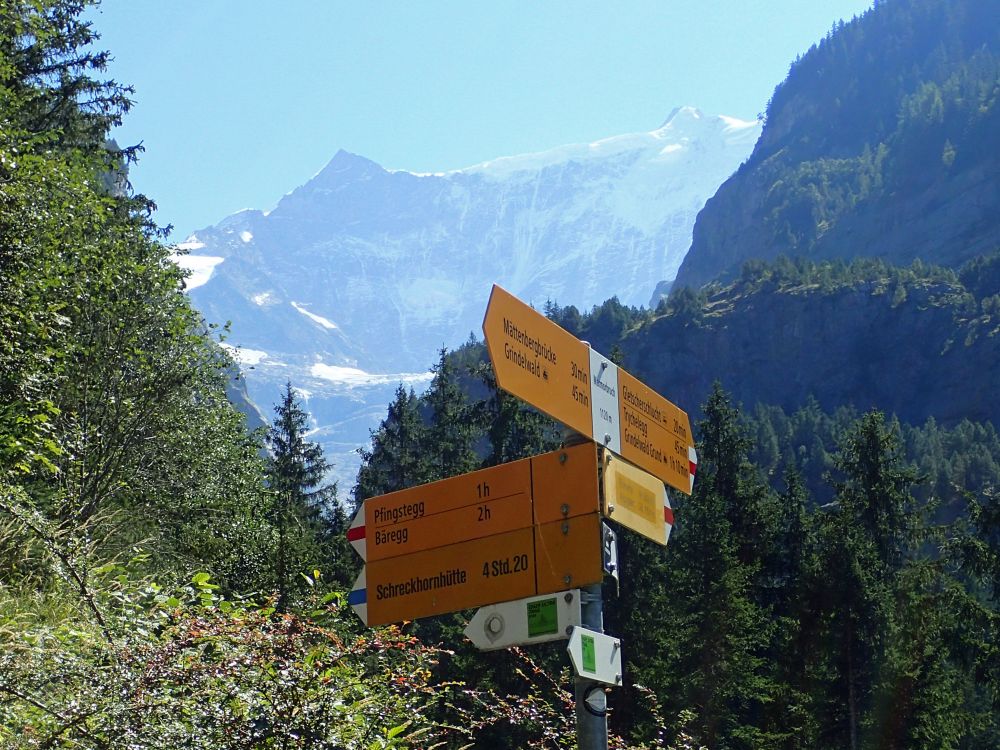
(926, 353)
(353, 282)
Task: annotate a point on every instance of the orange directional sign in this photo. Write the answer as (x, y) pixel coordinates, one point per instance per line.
(481, 571)
(539, 362)
(447, 579)
(548, 487)
(471, 506)
(655, 434)
(564, 483)
(568, 553)
(520, 529)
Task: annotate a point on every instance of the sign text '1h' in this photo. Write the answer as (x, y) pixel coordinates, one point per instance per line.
(539, 362)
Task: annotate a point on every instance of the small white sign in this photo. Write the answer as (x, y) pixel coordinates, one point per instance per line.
(596, 656)
(604, 401)
(537, 619)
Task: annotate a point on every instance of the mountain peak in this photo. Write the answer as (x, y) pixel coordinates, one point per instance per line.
(345, 160)
(683, 115)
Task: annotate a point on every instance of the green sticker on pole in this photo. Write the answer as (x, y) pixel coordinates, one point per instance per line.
(596, 656)
(589, 655)
(543, 618)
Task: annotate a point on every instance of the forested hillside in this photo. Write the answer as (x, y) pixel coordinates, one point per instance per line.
(882, 142)
(919, 341)
(831, 582)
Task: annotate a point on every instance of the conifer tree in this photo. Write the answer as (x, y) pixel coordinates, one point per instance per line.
(863, 544)
(49, 75)
(296, 473)
(513, 429)
(452, 431)
(397, 458)
(703, 599)
(876, 490)
(790, 652)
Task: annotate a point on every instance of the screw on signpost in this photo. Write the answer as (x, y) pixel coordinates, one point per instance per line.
(591, 700)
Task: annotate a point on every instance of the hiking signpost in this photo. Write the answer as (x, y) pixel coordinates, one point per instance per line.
(508, 532)
(525, 541)
(539, 362)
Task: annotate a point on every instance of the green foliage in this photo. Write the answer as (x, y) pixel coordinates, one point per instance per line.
(156, 667)
(705, 617)
(512, 429)
(827, 276)
(396, 459)
(686, 304)
(113, 416)
(189, 668)
(784, 623)
(47, 64)
(852, 604)
(870, 147)
(603, 326)
(981, 275)
(446, 431)
(964, 458)
(452, 432)
(309, 522)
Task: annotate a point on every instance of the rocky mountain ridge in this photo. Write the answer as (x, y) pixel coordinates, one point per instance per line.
(352, 283)
(913, 347)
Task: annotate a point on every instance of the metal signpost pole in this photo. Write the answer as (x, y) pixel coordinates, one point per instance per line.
(591, 700)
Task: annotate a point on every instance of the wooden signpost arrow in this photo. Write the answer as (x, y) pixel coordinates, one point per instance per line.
(470, 506)
(446, 579)
(539, 362)
(511, 531)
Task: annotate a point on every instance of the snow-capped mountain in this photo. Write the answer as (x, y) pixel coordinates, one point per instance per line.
(354, 280)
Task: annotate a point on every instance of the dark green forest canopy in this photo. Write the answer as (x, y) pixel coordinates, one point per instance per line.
(882, 141)
(826, 585)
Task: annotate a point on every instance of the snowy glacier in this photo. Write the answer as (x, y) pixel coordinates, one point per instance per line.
(355, 280)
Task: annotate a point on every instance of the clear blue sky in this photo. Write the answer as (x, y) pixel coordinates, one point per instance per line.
(240, 101)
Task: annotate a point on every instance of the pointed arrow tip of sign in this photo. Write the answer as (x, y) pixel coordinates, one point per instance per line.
(357, 597)
(356, 534)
